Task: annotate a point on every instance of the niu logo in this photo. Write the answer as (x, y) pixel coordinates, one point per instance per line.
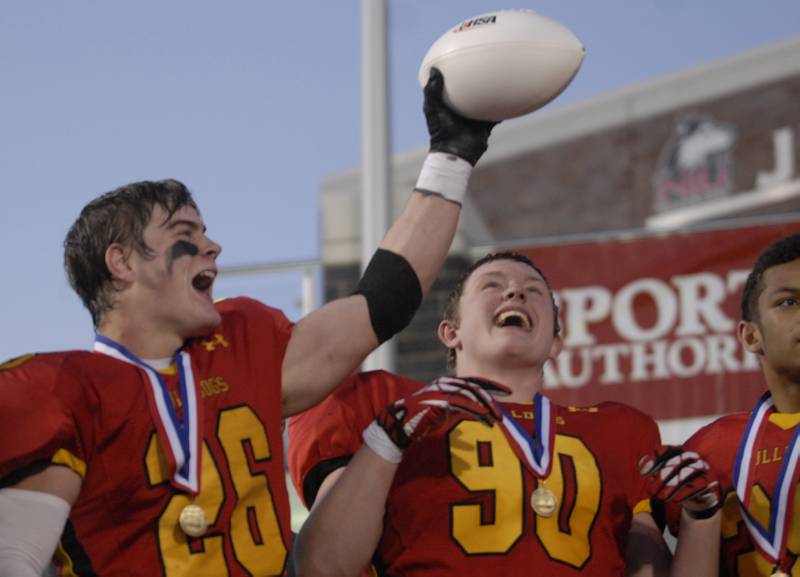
(216, 341)
(696, 164)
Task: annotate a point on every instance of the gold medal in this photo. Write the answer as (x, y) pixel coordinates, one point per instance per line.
(193, 520)
(544, 502)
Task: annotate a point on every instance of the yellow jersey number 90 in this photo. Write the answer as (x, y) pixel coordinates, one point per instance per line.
(565, 539)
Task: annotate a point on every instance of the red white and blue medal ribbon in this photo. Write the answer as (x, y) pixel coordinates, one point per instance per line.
(180, 440)
(535, 451)
(771, 541)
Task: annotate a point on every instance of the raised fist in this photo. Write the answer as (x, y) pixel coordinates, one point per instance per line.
(410, 419)
(681, 476)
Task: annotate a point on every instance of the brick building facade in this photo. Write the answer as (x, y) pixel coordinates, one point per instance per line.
(714, 143)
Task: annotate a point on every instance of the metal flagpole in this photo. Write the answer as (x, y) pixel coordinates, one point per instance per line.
(375, 206)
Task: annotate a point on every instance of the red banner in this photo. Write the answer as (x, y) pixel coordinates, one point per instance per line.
(651, 321)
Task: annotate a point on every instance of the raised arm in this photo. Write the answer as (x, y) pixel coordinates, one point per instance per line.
(646, 553)
(331, 342)
(340, 536)
(697, 552)
(683, 477)
(349, 506)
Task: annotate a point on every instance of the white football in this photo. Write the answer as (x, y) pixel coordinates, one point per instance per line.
(504, 64)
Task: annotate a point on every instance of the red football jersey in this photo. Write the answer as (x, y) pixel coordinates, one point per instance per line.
(89, 411)
(718, 443)
(460, 502)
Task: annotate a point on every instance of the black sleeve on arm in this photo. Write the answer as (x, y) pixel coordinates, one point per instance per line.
(393, 293)
(318, 474)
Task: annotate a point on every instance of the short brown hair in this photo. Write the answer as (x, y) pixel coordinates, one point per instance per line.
(454, 298)
(119, 216)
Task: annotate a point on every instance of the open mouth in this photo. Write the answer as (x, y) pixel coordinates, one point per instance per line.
(203, 281)
(513, 319)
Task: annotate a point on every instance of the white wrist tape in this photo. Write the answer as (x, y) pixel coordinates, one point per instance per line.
(31, 524)
(376, 439)
(446, 175)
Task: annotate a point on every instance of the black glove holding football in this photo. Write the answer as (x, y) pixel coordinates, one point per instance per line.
(450, 132)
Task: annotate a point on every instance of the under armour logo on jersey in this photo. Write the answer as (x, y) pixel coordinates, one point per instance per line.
(215, 341)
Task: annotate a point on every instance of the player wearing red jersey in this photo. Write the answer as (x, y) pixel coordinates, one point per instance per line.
(545, 490)
(93, 413)
(756, 532)
(181, 474)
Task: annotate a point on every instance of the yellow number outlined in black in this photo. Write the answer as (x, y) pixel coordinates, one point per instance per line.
(237, 428)
(565, 537)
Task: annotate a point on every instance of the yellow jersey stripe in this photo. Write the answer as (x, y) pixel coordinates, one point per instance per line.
(785, 420)
(67, 567)
(643, 506)
(64, 457)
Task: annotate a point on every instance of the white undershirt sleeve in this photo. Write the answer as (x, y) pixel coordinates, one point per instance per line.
(31, 523)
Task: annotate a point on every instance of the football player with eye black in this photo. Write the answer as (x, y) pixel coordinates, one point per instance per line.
(159, 452)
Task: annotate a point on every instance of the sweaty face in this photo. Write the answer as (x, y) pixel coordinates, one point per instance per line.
(505, 316)
(776, 332)
(173, 285)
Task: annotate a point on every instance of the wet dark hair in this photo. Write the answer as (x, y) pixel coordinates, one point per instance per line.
(454, 298)
(119, 216)
(779, 252)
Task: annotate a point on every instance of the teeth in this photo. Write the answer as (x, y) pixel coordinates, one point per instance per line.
(204, 279)
(515, 318)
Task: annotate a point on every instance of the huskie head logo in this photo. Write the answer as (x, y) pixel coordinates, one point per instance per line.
(696, 163)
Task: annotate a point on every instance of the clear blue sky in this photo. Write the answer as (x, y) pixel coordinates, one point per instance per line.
(251, 103)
